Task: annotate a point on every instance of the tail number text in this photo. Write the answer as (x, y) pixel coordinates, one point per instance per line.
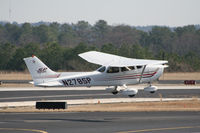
(77, 81)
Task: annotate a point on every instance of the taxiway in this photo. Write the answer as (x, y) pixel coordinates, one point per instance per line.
(101, 122)
(35, 94)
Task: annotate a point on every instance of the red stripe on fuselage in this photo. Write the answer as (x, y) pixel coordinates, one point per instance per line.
(135, 76)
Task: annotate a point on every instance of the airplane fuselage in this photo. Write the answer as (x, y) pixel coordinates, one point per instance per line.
(119, 78)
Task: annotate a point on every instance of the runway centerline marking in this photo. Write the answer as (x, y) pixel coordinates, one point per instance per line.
(158, 129)
(21, 129)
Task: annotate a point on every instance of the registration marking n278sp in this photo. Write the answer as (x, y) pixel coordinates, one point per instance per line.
(77, 81)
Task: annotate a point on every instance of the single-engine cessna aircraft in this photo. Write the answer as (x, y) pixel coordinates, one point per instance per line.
(116, 72)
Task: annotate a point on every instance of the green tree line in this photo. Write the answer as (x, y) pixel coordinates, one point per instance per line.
(58, 45)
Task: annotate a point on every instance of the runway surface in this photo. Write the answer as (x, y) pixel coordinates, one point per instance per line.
(97, 122)
(101, 122)
(15, 96)
(160, 81)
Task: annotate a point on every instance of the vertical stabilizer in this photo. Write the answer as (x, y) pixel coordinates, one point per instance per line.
(39, 71)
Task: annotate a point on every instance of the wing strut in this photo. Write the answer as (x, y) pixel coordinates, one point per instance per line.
(142, 73)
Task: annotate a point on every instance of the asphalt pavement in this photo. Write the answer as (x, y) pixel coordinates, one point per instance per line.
(14, 96)
(101, 122)
(160, 81)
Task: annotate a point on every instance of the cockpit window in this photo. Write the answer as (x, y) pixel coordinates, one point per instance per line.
(113, 70)
(101, 69)
(123, 69)
(131, 67)
(138, 67)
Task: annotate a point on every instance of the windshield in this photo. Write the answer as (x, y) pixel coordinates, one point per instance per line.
(101, 69)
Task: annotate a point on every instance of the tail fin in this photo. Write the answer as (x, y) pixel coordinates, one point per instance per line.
(39, 71)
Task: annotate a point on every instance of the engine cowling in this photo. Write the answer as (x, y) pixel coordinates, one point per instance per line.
(151, 89)
(130, 92)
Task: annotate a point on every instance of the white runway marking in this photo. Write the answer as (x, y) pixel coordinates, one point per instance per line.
(139, 87)
(94, 101)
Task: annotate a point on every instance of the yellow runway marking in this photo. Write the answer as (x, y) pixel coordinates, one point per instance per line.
(159, 129)
(20, 129)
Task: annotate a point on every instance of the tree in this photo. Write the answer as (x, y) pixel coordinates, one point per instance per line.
(161, 38)
(16, 62)
(59, 44)
(32, 49)
(109, 48)
(13, 33)
(186, 29)
(137, 52)
(26, 35)
(83, 29)
(100, 31)
(54, 29)
(2, 34)
(51, 54)
(125, 50)
(123, 34)
(41, 33)
(6, 53)
(67, 36)
(193, 60)
(73, 62)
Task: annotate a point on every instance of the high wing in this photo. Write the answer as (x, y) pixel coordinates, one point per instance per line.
(105, 59)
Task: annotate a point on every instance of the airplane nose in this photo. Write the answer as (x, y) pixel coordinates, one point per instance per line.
(160, 71)
(161, 68)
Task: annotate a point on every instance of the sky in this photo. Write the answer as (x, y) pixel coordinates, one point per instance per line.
(115, 12)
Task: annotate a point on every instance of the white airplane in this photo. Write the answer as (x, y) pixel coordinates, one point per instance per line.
(116, 72)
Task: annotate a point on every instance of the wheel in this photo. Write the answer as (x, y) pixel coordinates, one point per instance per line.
(131, 95)
(114, 92)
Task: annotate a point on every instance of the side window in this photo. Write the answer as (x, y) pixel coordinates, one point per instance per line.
(123, 69)
(138, 67)
(131, 67)
(113, 70)
(102, 69)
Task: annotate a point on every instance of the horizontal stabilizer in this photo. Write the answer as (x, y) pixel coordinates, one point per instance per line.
(31, 82)
(50, 84)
